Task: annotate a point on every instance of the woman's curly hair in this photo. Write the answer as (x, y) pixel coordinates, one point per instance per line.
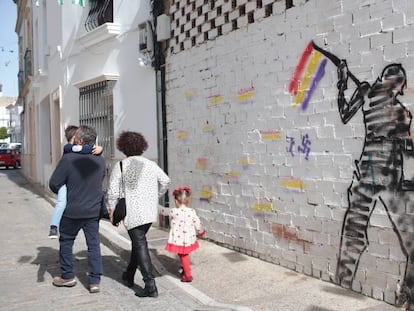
(131, 143)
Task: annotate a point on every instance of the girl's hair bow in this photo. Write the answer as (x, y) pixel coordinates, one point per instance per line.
(179, 189)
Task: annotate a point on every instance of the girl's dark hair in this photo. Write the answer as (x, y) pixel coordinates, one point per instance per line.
(131, 143)
(182, 195)
(70, 131)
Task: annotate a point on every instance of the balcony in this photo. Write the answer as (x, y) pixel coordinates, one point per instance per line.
(101, 12)
(24, 76)
(28, 68)
(20, 79)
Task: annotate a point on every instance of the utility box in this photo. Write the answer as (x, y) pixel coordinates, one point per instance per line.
(146, 43)
(163, 27)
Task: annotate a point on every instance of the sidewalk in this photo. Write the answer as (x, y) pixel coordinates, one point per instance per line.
(29, 260)
(228, 280)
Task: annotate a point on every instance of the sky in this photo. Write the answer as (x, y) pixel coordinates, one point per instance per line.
(9, 51)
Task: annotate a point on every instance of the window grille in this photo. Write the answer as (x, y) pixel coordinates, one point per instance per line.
(101, 12)
(96, 110)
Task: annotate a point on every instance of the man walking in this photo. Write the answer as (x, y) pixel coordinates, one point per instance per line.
(83, 175)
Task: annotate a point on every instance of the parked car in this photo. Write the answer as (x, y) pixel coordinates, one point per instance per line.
(17, 146)
(9, 157)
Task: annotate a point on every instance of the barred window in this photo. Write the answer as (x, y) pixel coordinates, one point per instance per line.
(96, 110)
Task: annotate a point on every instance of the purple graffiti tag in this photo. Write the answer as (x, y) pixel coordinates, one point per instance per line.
(304, 148)
(291, 141)
(318, 77)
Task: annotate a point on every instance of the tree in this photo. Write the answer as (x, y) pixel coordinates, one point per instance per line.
(3, 132)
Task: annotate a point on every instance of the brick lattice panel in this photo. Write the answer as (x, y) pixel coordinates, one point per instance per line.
(194, 22)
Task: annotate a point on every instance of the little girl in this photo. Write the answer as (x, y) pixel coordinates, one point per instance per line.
(185, 227)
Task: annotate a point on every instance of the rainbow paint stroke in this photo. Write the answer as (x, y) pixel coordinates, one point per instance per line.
(271, 135)
(305, 80)
(233, 177)
(246, 95)
(245, 161)
(201, 163)
(191, 95)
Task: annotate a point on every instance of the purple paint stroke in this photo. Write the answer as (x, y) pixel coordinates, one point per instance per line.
(318, 77)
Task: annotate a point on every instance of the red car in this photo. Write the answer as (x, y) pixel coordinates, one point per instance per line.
(9, 157)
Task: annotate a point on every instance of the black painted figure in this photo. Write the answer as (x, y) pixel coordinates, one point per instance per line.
(379, 174)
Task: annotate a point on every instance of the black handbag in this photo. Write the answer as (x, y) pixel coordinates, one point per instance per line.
(120, 207)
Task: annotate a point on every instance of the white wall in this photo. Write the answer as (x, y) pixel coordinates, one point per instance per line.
(72, 62)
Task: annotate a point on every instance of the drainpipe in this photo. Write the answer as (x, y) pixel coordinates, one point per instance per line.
(158, 7)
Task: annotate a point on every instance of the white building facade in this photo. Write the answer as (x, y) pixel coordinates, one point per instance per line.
(80, 65)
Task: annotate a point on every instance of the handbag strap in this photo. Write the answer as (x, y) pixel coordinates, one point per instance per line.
(122, 181)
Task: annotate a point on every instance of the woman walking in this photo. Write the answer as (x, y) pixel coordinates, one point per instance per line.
(142, 182)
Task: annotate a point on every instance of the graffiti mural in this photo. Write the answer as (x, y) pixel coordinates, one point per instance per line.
(378, 179)
(308, 73)
(304, 147)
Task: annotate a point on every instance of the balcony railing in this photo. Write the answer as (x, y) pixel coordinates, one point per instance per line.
(28, 67)
(21, 81)
(101, 12)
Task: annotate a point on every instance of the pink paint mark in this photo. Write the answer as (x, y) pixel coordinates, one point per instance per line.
(294, 82)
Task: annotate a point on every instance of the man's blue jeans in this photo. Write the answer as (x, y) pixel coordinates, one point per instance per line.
(69, 229)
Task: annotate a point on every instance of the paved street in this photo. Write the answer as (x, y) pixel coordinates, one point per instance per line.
(29, 260)
(224, 280)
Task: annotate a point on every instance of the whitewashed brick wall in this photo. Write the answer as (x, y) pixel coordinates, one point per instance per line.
(229, 113)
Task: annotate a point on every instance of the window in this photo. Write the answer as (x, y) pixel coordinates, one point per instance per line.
(96, 110)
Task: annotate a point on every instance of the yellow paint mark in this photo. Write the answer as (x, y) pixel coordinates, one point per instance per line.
(208, 128)
(265, 207)
(206, 193)
(215, 100)
(293, 184)
(245, 96)
(182, 135)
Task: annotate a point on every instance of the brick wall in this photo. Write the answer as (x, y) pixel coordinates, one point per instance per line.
(269, 172)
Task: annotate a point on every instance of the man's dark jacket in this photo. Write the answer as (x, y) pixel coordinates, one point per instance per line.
(83, 175)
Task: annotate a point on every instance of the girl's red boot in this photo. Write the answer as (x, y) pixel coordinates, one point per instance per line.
(187, 279)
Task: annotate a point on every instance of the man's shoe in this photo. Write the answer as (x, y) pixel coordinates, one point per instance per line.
(94, 288)
(187, 279)
(60, 282)
(127, 280)
(53, 232)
